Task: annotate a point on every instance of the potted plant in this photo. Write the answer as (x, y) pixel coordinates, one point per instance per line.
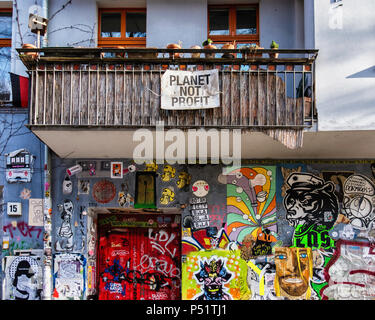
(228, 55)
(207, 44)
(174, 46)
(33, 55)
(251, 51)
(196, 54)
(274, 46)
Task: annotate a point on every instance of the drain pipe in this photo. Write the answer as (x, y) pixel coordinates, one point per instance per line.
(47, 212)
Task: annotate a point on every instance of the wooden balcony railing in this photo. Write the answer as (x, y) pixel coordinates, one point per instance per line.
(121, 87)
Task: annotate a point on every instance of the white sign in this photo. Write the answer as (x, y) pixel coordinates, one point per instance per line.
(14, 209)
(189, 90)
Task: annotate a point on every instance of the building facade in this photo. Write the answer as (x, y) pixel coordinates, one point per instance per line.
(142, 171)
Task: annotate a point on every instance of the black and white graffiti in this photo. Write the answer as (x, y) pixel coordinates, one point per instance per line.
(359, 199)
(310, 201)
(23, 278)
(65, 232)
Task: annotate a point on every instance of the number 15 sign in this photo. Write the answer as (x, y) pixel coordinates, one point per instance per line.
(14, 209)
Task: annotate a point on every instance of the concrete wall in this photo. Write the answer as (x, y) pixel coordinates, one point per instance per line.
(169, 21)
(345, 67)
(75, 25)
(21, 137)
(18, 231)
(281, 21)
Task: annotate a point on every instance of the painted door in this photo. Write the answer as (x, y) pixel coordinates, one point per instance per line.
(140, 264)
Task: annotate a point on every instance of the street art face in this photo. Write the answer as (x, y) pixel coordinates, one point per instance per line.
(310, 201)
(200, 188)
(214, 275)
(359, 199)
(312, 208)
(251, 202)
(293, 272)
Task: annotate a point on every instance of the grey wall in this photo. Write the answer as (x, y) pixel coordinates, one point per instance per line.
(281, 21)
(75, 25)
(169, 21)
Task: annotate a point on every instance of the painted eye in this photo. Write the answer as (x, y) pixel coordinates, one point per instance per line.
(281, 256)
(303, 255)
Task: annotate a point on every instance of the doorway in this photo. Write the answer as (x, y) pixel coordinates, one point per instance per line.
(139, 257)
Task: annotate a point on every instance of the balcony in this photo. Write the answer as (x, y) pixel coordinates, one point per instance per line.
(106, 91)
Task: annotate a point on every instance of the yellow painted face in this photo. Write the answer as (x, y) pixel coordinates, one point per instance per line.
(293, 269)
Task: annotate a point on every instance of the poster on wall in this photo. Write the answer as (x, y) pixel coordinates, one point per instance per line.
(23, 278)
(19, 166)
(69, 276)
(116, 170)
(189, 90)
(36, 212)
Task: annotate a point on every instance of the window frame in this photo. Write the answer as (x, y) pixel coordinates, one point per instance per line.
(253, 38)
(123, 40)
(6, 42)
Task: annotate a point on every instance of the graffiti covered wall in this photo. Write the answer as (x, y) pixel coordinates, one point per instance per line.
(285, 221)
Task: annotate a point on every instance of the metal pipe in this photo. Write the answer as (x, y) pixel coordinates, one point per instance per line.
(47, 218)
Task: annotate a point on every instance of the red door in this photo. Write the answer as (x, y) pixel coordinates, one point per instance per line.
(140, 264)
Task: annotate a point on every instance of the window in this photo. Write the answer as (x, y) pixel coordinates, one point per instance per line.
(238, 23)
(122, 27)
(5, 53)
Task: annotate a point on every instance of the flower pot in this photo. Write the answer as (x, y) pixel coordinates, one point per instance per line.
(253, 53)
(210, 55)
(33, 55)
(273, 55)
(174, 46)
(228, 55)
(196, 55)
(120, 54)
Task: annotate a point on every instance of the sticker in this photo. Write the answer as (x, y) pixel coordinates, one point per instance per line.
(83, 186)
(168, 173)
(67, 185)
(116, 170)
(167, 196)
(200, 188)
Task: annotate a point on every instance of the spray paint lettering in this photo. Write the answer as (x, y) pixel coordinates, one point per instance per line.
(24, 229)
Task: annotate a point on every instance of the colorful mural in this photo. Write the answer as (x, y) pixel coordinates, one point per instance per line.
(251, 202)
(214, 275)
